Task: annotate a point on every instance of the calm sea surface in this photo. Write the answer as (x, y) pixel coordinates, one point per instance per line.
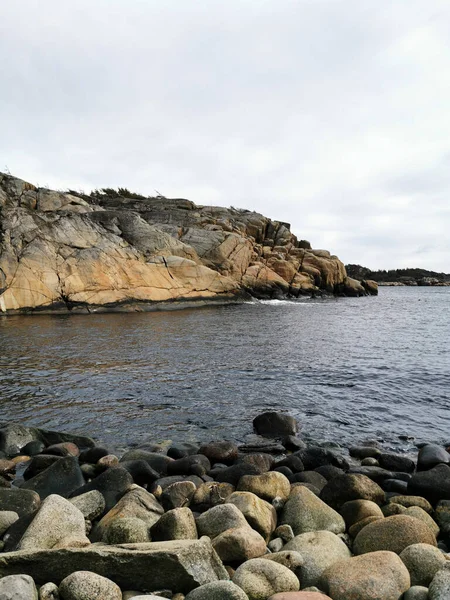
(348, 369)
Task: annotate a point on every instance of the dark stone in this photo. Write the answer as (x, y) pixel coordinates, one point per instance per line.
(261, 461)
(140, 471)
(16, 531)
(62, 478)
(329, 471)
(312, 477)
(89, 471)
(364, 452)
(293, 443)
(275, 424)
(197, 464)
(221, 452)
(315, 456)
(178, 494)
(32, 448)
(63, 449)
(181, 450)
(39, 463)
(286, 471)
(395, 462)
(395, 485)
(93, 455)
(4, 483)
(293, 462)
(14, 436)
(431, 455)
(235, 472)
(374, 473)
(158, 462)
(113, 484)
(261, 447)
(344, 488)
(23, 502)
(434, 484)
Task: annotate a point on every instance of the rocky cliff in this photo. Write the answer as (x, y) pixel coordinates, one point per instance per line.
(68, 251)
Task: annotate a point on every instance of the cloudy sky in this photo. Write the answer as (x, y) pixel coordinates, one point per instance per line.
(333, 115)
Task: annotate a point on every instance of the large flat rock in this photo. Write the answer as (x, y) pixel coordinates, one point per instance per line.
(179, 565)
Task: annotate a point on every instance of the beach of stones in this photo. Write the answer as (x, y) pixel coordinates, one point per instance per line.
(279, 519)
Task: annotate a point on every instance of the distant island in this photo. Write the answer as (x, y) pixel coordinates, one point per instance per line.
(399, 277)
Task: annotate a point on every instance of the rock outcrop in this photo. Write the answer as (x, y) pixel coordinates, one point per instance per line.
(68, 251)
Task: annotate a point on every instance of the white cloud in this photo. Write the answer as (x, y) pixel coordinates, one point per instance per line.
(329, 114)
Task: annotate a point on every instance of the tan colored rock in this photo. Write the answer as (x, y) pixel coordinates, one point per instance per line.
(262, 578)
(260, 515)
(374, 576)
(357, 510)
(393, 534)
(267, 486)
(304, 511)
(238, 545)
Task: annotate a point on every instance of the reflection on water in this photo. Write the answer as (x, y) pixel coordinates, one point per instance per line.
(348, 369)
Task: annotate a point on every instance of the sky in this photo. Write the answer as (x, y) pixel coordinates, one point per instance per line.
(332, 115)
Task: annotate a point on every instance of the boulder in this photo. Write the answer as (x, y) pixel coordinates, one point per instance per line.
(416, 592)
(63, 477)
(195, 464)
(431, 455)
(319, 550)
(375, 576)
(261, 460)
(175, 524)
(434, 484)
(211, 494)
(220, 518)
(140, 471)
(439, 588)
(396, 462)
(312, 477)
(357, 510)
(316, 456)
(357, 527)
(218, 590)
(261, 578)
(364, 451)
(63, 449)
(7, 518)
(91, 504)
(180, 565)
(220, 452)
(408, 501)
(267, 486)
(393, 534)
(126, 530)
(344, 488)
(260, 515)
(38, 464)
(423, 562)
(112, 484)
(239, 544)
(57, 524)
(18, 587)
(178, 495)
(289, 558)
(442, 515)
(275, 424)
(157, 461)
(85, 585)
(49, 591)
(419, 513)
(233, 474)
(93, 455)
(304, 511)
(136, 503)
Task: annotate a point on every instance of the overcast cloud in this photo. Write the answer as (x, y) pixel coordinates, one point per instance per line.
(333, 115)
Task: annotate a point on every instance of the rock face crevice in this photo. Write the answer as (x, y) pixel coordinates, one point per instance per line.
(67, 251)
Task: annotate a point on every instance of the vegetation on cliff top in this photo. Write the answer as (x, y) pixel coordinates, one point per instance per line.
(400, 275)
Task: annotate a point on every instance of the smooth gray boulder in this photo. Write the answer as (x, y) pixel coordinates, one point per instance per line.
(23, 502)
(261, 578)
(218, 519)
(49, 591)
(86, 585)
(260, 515)
(91, 504)
(218, 590)
(175, 524)
(423, 562)
(18, 587)
(439, 588)
(304, 512)
(7, 518)
(57, 524)
(319, 550)
(180, 565)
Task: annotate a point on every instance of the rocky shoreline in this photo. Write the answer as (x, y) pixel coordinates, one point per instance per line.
(278, 519)
(73, 252)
